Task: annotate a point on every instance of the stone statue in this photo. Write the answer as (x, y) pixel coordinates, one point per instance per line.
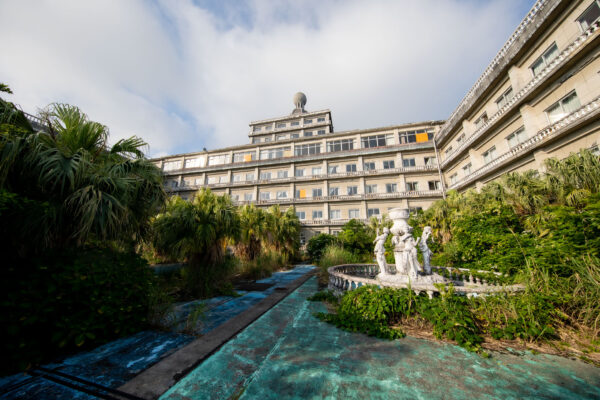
(425, 251)
(399, 229)
(409, 255)
(380, 252)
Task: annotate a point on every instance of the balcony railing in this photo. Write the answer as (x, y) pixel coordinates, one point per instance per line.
(356, 197)
(537, 80)
(294, 158)
(404, 170)
(587, 111)
(499, 58)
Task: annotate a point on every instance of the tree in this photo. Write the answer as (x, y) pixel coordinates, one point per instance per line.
(284, 230)
(317, 245)
(254, 225)
(76, 187)
(197, 231)
(356, 238)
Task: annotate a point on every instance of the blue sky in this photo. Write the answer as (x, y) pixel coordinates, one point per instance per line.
(188, 74)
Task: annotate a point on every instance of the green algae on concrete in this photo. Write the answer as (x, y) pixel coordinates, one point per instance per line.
(288, 353)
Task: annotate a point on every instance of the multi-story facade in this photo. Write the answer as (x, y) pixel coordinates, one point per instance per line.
(539, 98)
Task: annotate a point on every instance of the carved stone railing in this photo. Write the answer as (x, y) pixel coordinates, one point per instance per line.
(586, 111)
(352, 276)
(535, 82)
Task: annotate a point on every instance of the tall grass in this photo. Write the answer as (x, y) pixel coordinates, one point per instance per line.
(263, 265)
(334, 255)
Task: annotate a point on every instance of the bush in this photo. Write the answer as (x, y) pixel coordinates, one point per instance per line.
(263, 266)
(317, 245)
(71, 300)
(357, 238)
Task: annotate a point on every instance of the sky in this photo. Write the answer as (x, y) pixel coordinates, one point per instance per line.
(189, 74)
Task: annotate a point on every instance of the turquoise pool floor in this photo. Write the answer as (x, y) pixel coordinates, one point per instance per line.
(289, 354)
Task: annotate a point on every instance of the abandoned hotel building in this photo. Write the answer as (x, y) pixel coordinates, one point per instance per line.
(538, 98)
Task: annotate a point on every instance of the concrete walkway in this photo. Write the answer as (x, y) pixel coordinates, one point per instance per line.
(290, 354)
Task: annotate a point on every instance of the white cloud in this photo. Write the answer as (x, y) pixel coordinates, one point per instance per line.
(183, 78)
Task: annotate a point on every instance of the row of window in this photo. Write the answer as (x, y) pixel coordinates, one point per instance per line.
(416, 136)
(281, 125)
(337, 214)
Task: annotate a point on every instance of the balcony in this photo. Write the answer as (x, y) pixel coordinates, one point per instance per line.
(566, 55)
(308, 178)
(584, 113)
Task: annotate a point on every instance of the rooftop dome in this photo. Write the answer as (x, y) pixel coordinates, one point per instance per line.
(300, 100)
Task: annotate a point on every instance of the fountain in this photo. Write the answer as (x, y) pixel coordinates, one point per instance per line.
(409, 273)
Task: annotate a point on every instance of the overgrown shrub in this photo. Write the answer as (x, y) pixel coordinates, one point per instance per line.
(70, 300)
(317, 245)
(264, 265)
(334, 255)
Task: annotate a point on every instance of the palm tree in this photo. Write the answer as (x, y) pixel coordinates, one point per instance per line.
(82, 188)
(197, 232)
(254, 225)
(574, 178)
(525, 192)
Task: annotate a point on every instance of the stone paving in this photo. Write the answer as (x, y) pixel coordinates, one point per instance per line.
(116, 362)
(290, 354)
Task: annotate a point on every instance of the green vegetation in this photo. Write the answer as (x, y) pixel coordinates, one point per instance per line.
(542, 231)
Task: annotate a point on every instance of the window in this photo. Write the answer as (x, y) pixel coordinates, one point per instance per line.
(300, 193)
(282, 194)
(516, 138)
(277, 152)
(308, 121)
(412, 186)
(408, 162)
(316, 171)
(332, 169)
(317, 192)
(302, 239)
(460, 139)
(389, 164)
(295, 135)
(308, 133)
(416, 136)
(479, 122)
(212, 179)
(369, 166)
(589, 16)
(372, 212)
(352, 190)
(354, 213)
(448, 151)
(299, 172)
(321, 132)
(307, 149)
(434, 185)
(267, 139)
(295, 123)
(430, 161)
(371, 189)
(249, 177)
(391, 187)
(467, 169)
(256, 129)
(322, 119)
(282, 174)
(334, 191)
(268, 127)
(223, 179)
(453, 179)
(265, 195)
(192, 163)
(198, 181)
(171, 165)
(350, 167)
(280, 125)
(255, 140)
(244, 157)
(375, 141)
(504, 98)
(563, 107)
(317, 215)
(489, 155)
(335, 214)
(281, 137)
(248, 196)
(301, 214)
(265, 176)
(545, 59)
(340, 145)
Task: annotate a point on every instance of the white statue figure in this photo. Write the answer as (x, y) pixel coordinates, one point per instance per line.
(399, 229)
(409, 255)
(380, 251)
(425, 251)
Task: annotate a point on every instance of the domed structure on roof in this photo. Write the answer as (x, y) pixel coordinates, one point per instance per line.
(299, 101)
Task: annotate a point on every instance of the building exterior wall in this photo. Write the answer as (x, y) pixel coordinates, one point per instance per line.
(503, 124)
